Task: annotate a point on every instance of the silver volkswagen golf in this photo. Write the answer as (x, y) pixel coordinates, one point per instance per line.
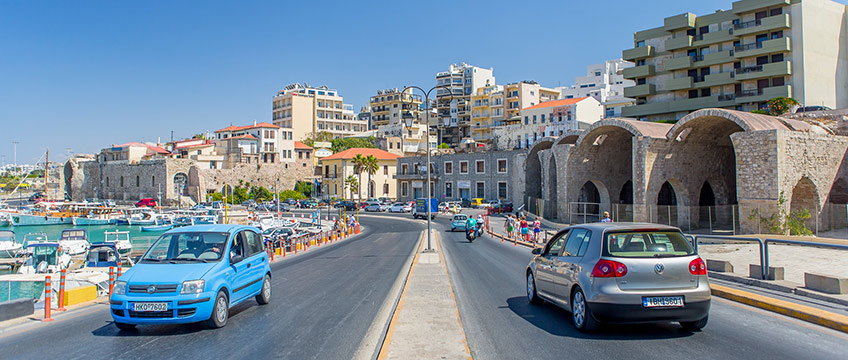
(621, 273)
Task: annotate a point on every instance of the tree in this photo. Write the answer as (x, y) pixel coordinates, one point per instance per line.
(351, 184)
(777, 106)
(321, 136)
(371, 167)
(358, 167)
(342, 144)
(291, 194)
(198, 136)
(444, 146)
(304, 187)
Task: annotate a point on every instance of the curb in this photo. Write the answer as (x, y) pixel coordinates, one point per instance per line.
(801, 312)
(515, 241)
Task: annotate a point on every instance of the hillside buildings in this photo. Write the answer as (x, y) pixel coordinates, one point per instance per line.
(306, 110)
(605, 82)
(740, 58)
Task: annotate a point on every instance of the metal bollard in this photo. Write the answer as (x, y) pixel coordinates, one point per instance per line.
(48, 289)
(61, 291)
(111, 280)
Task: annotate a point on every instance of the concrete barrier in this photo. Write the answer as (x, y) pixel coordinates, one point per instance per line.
(16, 308)
(80, 295)
(826, 283)
(774, 273)
(719, 265)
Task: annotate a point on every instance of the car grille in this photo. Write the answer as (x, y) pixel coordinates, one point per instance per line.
(160, 289)
(186, 312)
(152, 314)
(118, 312)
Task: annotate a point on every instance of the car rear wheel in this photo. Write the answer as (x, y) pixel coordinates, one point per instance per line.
(694, 325)
(264, 296)
(220, 311)
(580, 312)
(532, 296)
(124, 326)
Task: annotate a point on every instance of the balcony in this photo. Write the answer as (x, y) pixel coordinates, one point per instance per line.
(713, 38)
(638, 71)
(640, 90)
(763, 48)
(644, 109)
(678, 84)
(744, 6)
(715, 80)
(638, 53)
(677, 22)
(766, 24)
(762, 95)
(678, 63)
(764, 71)
(678, 43)
(714, 59)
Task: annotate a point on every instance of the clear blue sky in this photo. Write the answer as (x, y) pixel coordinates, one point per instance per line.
(88, 74)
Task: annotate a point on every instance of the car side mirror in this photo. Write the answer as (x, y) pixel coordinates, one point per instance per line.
(536, 251)
(235, 259)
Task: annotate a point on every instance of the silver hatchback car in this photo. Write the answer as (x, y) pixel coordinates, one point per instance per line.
(621, 273)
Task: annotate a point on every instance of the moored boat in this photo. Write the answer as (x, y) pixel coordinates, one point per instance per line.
(153, 228)
(74, 241)
(121, 240)
(44, 257)
(9, 247)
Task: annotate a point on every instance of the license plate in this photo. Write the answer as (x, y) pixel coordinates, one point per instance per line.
(662, 301)
(153, 306)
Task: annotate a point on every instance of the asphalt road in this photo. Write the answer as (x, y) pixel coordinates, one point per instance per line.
(488, 280)
(322, 305)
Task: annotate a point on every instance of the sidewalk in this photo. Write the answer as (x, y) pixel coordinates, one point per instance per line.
(426, 323)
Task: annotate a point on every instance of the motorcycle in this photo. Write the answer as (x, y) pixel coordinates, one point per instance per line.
(471, 234)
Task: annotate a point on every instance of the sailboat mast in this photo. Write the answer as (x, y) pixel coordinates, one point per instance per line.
(46, 174)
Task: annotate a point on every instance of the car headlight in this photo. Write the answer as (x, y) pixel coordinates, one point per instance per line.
(120, 288)
(192, 287)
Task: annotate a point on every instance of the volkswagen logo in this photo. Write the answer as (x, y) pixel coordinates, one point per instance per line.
(152, 288)
(658, 268)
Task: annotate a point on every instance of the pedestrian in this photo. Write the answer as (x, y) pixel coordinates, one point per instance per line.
(537, 229)
(606, 218)
(525, 233)
(510, 226)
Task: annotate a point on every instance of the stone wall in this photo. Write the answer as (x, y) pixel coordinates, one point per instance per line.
(257, 175)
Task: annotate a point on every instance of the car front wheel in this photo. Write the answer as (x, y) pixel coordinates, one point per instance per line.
(264, 296)
(584, 321)
(220, 311)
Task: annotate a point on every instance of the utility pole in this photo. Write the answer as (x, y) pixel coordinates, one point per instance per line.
(15, 164)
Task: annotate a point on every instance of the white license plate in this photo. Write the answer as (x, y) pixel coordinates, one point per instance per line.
(662, 301)
(151, 306)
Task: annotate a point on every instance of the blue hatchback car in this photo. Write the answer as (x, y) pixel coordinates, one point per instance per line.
(192, 274)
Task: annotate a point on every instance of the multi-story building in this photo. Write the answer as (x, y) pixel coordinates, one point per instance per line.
(306, 110)
(202, 151)
(740, 58)
(337, 168)
(493, 105)
(390, 106)
(550, 118)
(525, 94)
(133, 152)
(453, 100)
(364, 115)
(459, 176)
(605, 82)
(257, 143)
(402, 140)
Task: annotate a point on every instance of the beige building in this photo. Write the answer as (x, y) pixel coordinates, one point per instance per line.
(389, 107)
(305, 110)
(453, 100)
(202, 151)
(133, 152)
(525, 94)
(337, 167)
(492, 105)
(252, 144)
(740, 58)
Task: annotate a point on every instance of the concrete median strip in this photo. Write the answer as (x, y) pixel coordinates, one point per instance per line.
(802, 312)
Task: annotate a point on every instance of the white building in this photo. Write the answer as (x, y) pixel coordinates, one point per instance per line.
(453, 103)
(605, 82)
(257, 143)
(550, 118)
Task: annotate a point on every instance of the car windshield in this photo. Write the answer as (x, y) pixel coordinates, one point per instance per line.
(460, 217)
(646, 244)
(187, 247)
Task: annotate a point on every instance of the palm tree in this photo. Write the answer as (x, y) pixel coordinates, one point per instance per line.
(358, 167)
(371, 166)
(352, 184)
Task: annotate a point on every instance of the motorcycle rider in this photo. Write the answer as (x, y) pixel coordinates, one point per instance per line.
(479, 227)
(471, 224)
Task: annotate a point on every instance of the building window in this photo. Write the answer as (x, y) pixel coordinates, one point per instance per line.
(385, 169)
(448, 167)
(502, 190)
(122, 181)
(448, 190)
(107, 181)
(481, 166)
(404, 168)
(153, 180)
(501, 166)
(386, 189)
(404, 189)
(137, 181)
(463, 167)
(481, 190)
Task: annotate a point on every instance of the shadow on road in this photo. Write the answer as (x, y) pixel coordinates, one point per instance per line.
(557, 321)
(110, 330)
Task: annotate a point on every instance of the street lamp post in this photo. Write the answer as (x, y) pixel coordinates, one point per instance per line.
(429, 191)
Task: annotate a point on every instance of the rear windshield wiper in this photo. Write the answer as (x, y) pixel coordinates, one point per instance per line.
(664, 255)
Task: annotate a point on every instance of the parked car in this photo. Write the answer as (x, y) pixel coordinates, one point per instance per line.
(811, 108)
(192, 274)
(385, 200)
(308, 204)
(375, 207)
(400, 207)
(347, 205)
(250, 204)
(477, 202)
(148, 202)
(621, 273)
(458, 222)
(501, 208)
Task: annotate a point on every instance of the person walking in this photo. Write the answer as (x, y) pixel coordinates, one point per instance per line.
(606, 217)
(525, 230)
(508, 225)
(537, 230)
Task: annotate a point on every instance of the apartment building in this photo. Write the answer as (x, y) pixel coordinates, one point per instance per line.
(389, 107)
(740, 58)
(605, 82)
(305, 110)
(254, 144)
(459, 176)
(337, 167)
(525, 94)
(487, 111)
(453, 101)
(202, 151)
(550, 118)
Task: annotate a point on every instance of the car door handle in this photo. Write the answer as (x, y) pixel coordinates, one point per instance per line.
(248, 265)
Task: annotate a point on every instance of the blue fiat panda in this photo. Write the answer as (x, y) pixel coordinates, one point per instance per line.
(192, 274)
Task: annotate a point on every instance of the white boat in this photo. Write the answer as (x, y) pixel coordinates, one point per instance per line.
(74, 241)
(151, 218)
(44, 257)
(267, 221)
(9, 247)
(121, 240)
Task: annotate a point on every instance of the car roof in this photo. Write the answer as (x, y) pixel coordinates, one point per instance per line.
(211, 228)
(624, 226)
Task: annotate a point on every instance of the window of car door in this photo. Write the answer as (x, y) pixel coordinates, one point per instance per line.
(253, 242)
(555, 245)
(237, 246)
(577, 243)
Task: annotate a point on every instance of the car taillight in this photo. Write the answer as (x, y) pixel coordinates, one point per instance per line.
(609, 268)
(698, 267)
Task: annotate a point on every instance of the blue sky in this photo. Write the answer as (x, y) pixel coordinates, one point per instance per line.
(87, 74)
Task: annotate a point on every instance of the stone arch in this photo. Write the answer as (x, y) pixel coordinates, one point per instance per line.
(805, 196)
(68, 174)
(745, 121)
(569, 138)
(551, 203)
(706, 205)
(592, 200)
(625, 196)
(533, 169)
(180, 183)
(838, 192)
(672, 204)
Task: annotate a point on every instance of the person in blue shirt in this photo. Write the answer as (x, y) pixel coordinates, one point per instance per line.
(606, 217)
(471, 223)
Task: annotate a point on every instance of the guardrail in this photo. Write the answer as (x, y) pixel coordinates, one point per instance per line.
(763, 244)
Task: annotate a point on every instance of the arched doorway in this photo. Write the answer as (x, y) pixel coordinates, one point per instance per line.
(706, 206)
(667, 205)
(533, 175)
(624, 210)
(835, 212)
(805, 200)
(371, 189)
(180, 183)
(551, 201)
(588, 204)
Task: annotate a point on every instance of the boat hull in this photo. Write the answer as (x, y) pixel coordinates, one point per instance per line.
(157, 228)
(88, 222)
(36, 220)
